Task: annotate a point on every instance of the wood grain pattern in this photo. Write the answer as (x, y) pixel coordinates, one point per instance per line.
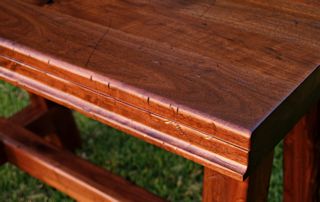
(155, 121)
(202, 156)
(302, 160)
(220, 188)
(222, 76)
(304, 8)
(61, 169)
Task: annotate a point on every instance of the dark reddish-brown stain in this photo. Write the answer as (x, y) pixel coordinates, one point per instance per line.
(51, 121)
(217, 187)
(225, 84)
(64, 171)
(302, 160)
(218, 82)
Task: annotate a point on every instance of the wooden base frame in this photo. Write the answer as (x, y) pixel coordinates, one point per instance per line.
(63, 170)
(302, 160)
(45, 156)
(51, 121)
(301, 169)
(37, 140)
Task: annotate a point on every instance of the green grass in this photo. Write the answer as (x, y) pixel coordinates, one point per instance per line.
(162, 173)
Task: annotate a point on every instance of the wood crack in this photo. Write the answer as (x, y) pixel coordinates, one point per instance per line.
(97, 45)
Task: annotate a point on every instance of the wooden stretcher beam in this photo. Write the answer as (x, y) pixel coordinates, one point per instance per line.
(66, 172)
(36, 109)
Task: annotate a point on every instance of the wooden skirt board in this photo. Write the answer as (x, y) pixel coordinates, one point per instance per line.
(217, 82)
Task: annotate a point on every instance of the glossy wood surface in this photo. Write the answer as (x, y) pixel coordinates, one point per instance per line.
(220, 188)
(213, 81)
(210, 159)
(66, 172)
(302, 160)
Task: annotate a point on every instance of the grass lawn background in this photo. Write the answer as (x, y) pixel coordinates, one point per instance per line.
(167, 175)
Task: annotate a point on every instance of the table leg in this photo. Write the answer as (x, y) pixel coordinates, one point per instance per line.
(53, 122)
(58, 126)
(220, 188)
(302, 160)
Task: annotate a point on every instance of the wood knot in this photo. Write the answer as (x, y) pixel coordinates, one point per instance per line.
(45, 2)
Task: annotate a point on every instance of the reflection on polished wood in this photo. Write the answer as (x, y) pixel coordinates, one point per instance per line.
(219, 82)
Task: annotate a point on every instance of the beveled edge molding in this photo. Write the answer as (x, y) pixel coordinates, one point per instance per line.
(211, 126)
(195, 153)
